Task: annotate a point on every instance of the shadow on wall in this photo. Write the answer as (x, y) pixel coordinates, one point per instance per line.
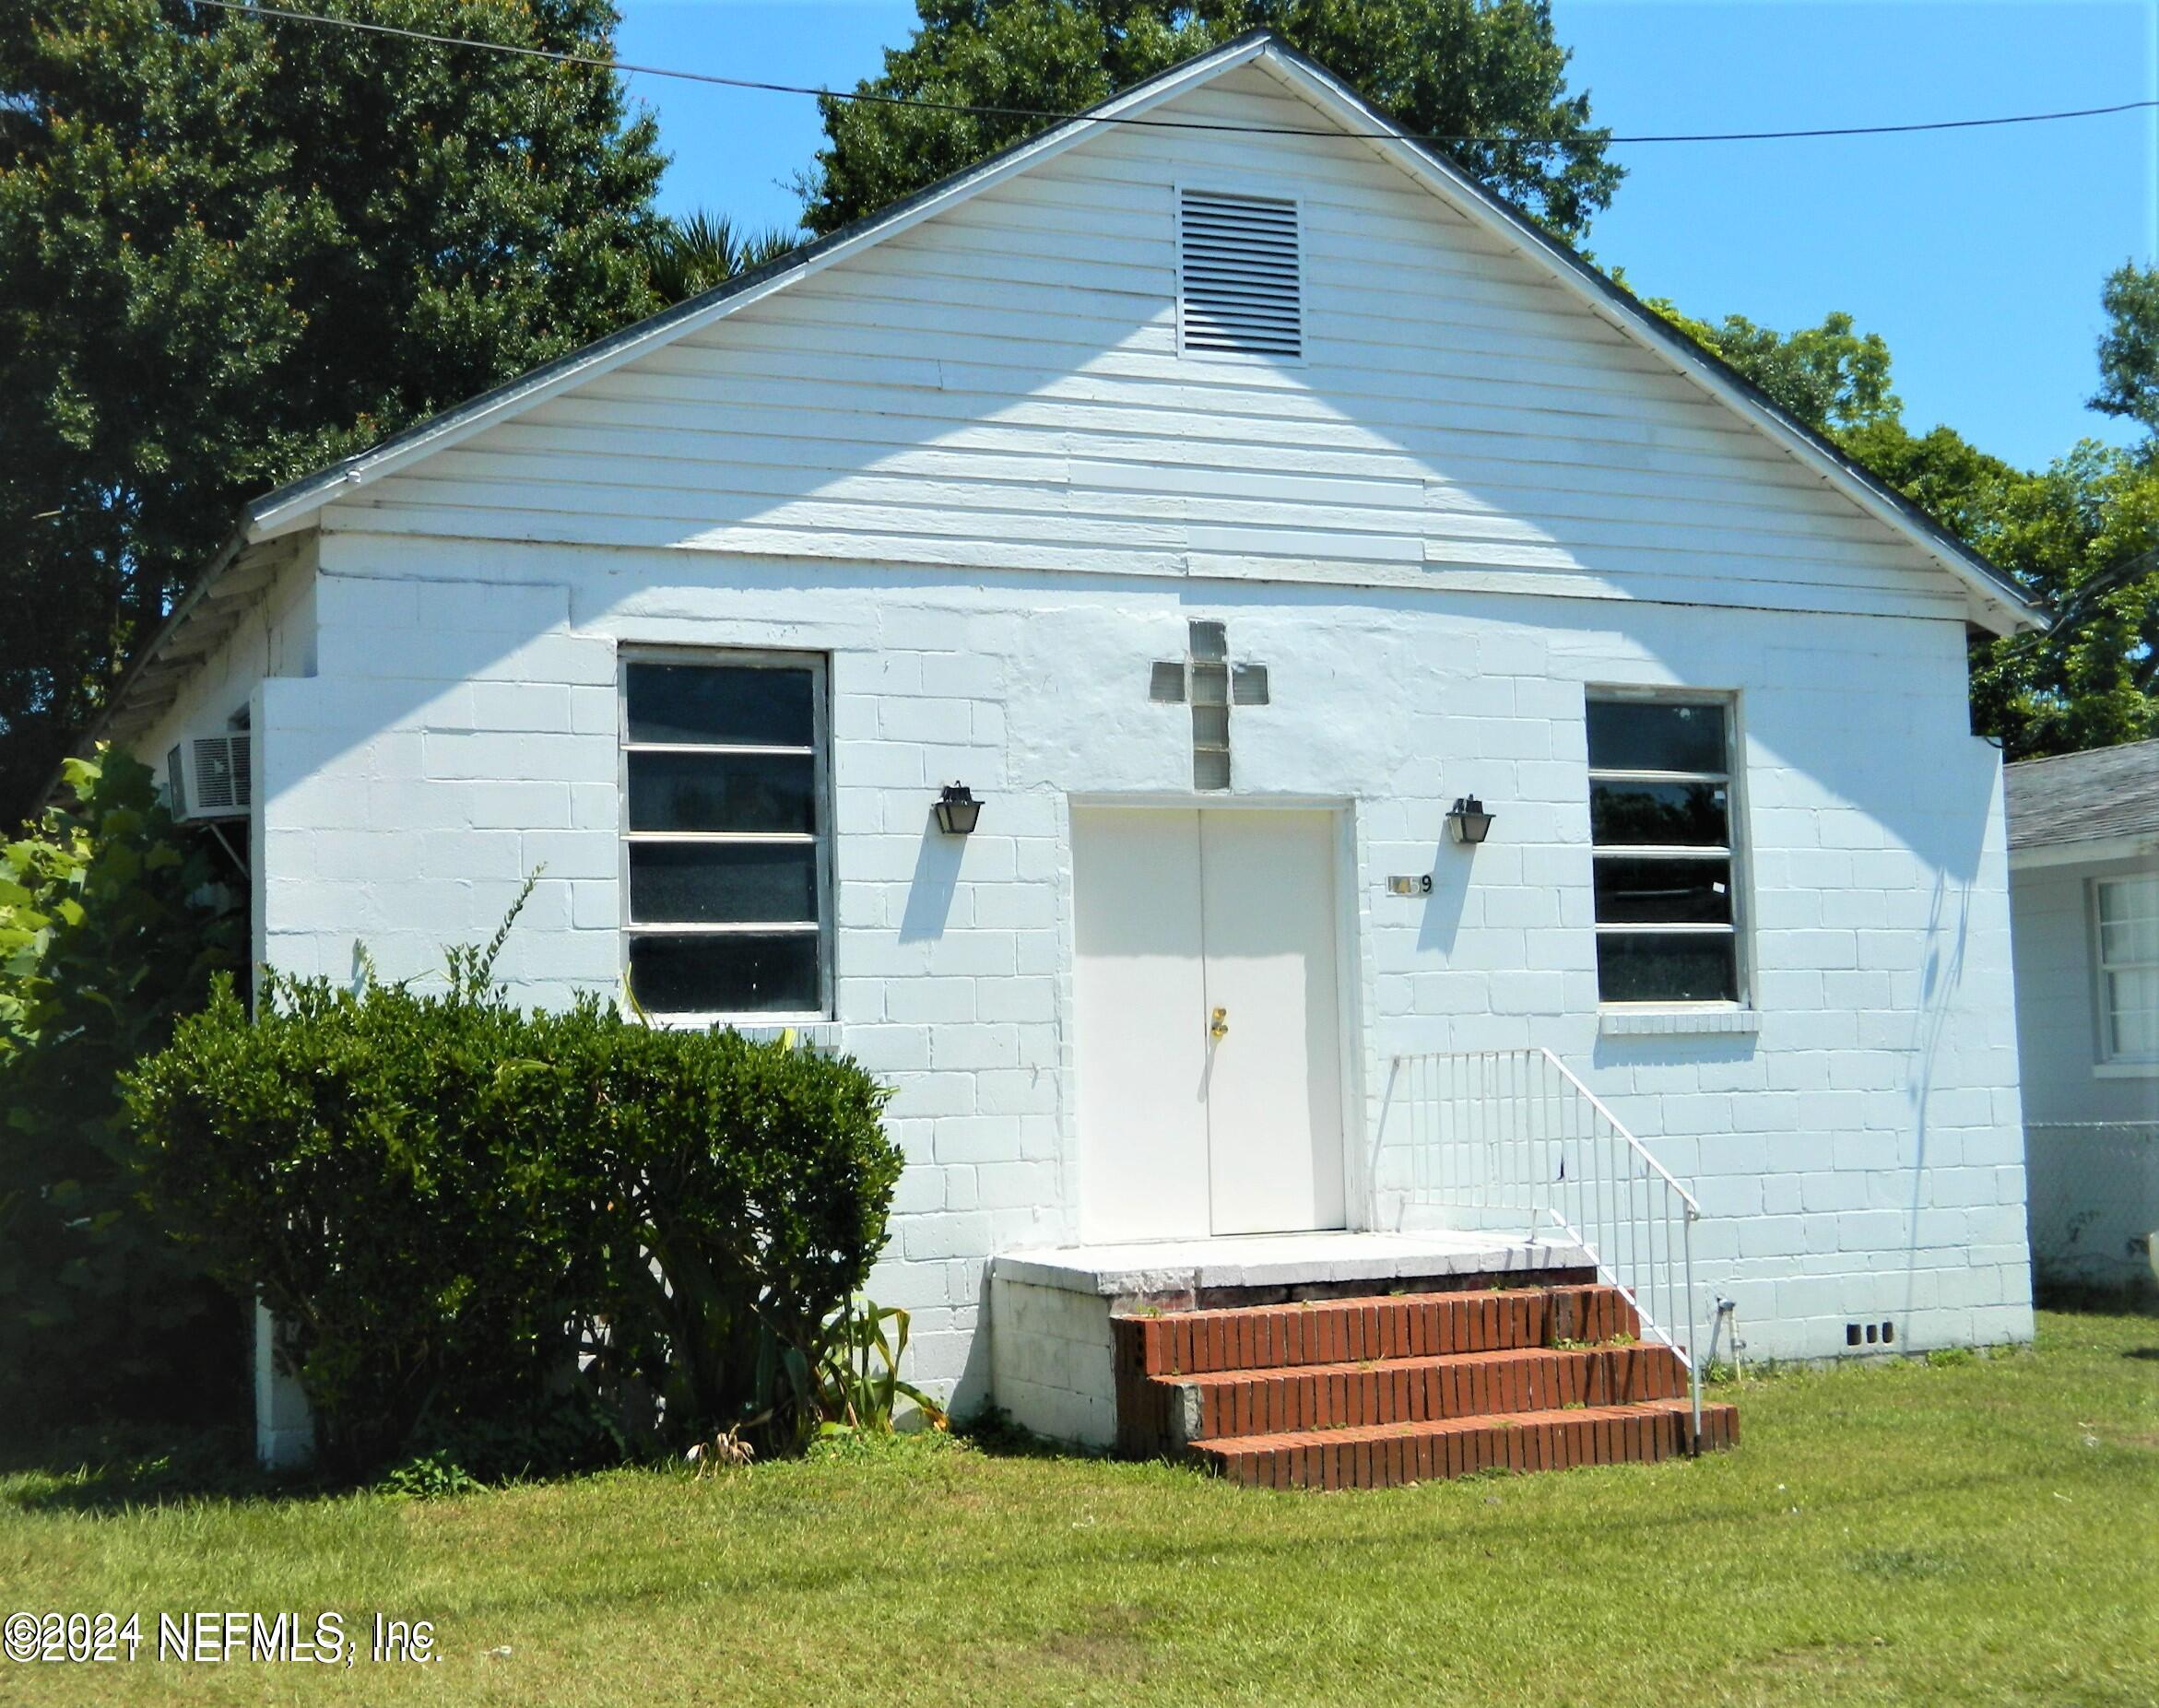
(934, 883)
(1442, 917)
(1939, 975)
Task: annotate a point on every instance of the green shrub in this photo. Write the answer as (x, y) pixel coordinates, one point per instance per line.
(428, 1477)
(475, 1221)
(743, 1189)
(112, 920)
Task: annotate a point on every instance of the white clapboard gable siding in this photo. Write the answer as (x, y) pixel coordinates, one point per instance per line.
(1000, 387)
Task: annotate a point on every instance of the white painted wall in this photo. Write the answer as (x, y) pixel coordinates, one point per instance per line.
(1053, 1361)
(971, 467)
(2057, 1000)
(1858, 1157)
(2094, 1193)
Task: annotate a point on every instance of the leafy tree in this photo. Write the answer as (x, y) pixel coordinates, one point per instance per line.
(1452, 67)
(2082, 536)
(112, 921)
(1940, 470)
(2128, 352)
(233, 250)
(694, 253)
(1830, 377)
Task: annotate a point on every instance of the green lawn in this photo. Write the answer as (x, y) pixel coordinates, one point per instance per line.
(1977, 1532)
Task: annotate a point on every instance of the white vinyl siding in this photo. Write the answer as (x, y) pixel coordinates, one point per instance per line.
(1001, 388)
(726, 835)
(2126, 926)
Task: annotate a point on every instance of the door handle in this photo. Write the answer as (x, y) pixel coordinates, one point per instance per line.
(1220, 1029)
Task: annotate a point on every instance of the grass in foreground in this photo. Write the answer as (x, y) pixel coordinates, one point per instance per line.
(1976, 1532)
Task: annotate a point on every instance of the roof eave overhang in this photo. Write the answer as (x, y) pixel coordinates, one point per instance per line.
(205, 615)
(2087, 851)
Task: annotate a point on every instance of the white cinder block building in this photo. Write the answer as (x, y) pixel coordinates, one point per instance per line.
(1223, 510)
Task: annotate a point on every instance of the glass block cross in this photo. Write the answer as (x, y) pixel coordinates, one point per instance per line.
(1206, 679)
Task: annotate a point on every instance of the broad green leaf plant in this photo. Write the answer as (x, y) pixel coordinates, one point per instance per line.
(859, 1384)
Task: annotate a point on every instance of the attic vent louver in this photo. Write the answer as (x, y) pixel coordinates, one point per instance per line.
(1240, 287)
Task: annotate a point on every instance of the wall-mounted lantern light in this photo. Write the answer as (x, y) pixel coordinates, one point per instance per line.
(1467, 820)
(957, 809)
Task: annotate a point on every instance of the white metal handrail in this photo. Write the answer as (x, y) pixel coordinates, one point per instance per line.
(1507, 1138)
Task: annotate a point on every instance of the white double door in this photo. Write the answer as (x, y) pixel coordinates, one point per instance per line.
(1208, 1021)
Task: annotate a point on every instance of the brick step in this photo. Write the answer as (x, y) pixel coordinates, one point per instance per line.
(1384, 1456)
(1416, 1390)
(1336, 1331)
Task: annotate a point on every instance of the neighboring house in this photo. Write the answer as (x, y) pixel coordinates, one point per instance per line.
(1223, 502)
(2083, 892)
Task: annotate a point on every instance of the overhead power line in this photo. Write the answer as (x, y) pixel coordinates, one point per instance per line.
(1049, 116)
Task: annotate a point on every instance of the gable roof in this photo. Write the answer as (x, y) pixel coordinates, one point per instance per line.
(1996, 600)
(2069, 804)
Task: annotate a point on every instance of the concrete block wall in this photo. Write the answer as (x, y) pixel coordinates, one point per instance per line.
(1052, 1366)
(1858, 1153)
(455, 739)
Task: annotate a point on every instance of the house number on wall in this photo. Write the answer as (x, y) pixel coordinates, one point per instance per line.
(1418, 886)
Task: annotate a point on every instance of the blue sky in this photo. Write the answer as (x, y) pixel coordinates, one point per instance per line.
(1977, 254)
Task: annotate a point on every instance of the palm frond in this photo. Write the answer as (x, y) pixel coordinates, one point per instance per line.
(702, 250)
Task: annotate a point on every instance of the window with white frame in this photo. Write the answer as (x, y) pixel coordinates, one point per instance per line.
(2126, 912)
(727, 874)
(1663, 849)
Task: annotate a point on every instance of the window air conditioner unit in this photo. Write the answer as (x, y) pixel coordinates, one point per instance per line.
(208, 778)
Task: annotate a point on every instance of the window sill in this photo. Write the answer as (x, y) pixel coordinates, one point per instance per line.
(817, 1030)
(1649, 1021)
(2125, 1070)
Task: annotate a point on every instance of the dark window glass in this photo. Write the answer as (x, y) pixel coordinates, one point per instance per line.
(722, 883)
(1641, 966)
(1671, 815)
(1628, 734)
(726, 972)
(728, 705)
(752, 792)
(1663, 892)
